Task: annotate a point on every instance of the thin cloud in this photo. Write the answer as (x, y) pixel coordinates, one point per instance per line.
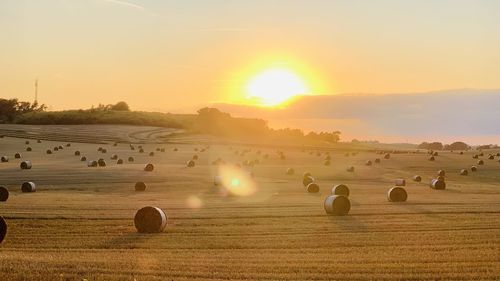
(126, 4)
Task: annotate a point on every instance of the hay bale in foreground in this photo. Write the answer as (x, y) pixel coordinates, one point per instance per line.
(149, 167)
(437, 184)
(48, 151)
(83, 158)
(38, 141)
(337, 205)
(387, 156)
(56, 148)
(480, 162)
(29, 149)
(473, 169)
(464, 172)
(92, 163)
(397, 194)
(195, 157)
(327, 163)
(417, 178)
(340, 189)
(4, 159)
(119, 161)
(25, 165)
(151, 154)
(140, 186)
(307, 180)
(191, 163)
(28, 186)
(4, 194)
(290, 171)
(377, 160)
(350, 169)
(101, 162)
(432, 158)
(475, 156)
(400, 182)
(150, 220)
(17, 155)
(3, 229)
(368, 163)
(68, 144)
(77, 153)
(131, 159)
(27, 142)
(312, 188)
(114, 157)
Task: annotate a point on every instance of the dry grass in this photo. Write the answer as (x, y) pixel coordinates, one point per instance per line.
(79, 223)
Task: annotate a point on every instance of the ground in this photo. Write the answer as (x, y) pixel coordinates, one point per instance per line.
(79, 223)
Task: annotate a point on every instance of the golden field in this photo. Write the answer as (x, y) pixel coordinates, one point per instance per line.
(79, 223)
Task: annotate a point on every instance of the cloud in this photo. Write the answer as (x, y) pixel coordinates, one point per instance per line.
(126, 4)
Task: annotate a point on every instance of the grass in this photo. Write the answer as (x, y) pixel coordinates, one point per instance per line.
(79, 224)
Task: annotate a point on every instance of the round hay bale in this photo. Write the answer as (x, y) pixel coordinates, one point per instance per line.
(195, 157)
(68, 144)
(377, 160)
(141, 150)
(101, 162)
(27, 142)
(56, 148)
(481, 154)
(83, 158)
(464, 172)
(350, 169)
(149, 167)
(437, 184)
(38, 141)
(328, 157)
(29, 149)
(151, 154)
(432, 158)
(92, 163)
(17, 155)
(4, 194)
(327, 163)
(60, 147)
(25, 165)
(397, 194)
(473, 169)
(150, 220)
(307, 180)
(4, 159)
(400, 182)
(176, 149)
(140, 186)
(3, 229)
(99, 149)
(480, 162)
(114, 157)
(368, 163)
(115, 144)
(104, 150)
(491, 157)
(440, 178)
(48, 151)
(290, 171)
(475, 156)
(441, 173)
(158, 149)
(387, 156)
(77, 153)
(340, 189)
(417, 178)
(312, 188)
(337, 205)
(162, 149)
(131, 159)
(306, 174)
(119, 161)
(191, 163)
(28, 186)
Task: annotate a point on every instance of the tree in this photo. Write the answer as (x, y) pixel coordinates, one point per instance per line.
(458, 145)
(120, 106)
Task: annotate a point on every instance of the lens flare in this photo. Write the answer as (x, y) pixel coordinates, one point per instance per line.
(194, 202)
(236, 181)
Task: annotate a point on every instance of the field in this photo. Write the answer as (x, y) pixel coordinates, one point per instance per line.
(79, 223)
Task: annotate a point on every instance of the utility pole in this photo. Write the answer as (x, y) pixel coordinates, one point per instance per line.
(36, 91)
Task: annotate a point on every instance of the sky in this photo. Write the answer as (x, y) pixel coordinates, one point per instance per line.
(178, 56)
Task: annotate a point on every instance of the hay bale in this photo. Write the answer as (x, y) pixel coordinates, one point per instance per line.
(131, 159)
(115, 144)
(140, 186)
(150, 220)
(340, 189)
(437, 184)
(491, 157)
(306, 174)
(3, 229)
(68, 144)
(119, 161)
(464, 172)
(17, 155)
(4, 194)
(104, 150)
(387, 156)
(337, 205)
(56, 148)
(149, 167)
(461, 153)
(368, 163)
(417, 178)
(77, 153)
(141, 150)
(162, 149)
(440, 178)
(328, 157)
(28, 186)
(195, 157)
(83, 158)
(350, 169)
(101, 162)
(397, 194)
(377, 160)
(27, 142)
(400, 182)
(175, 149)
(114, 157)
(151, 154)
(441, 173)
(92, 163)
(290, 171)
(473, 169)
(38, 141)
(4, 159)
(48, 151)
(307, 180)
(99, 149)
(60, 147)
(25, 165)
(480, 162)
(327, 163)
(312, 188)
(432, 158)
(29, 149)
(191, 163)
(475, 156)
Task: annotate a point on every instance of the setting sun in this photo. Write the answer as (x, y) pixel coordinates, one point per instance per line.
(275, 86)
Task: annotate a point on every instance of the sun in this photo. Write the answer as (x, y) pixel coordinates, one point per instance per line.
(275, 86)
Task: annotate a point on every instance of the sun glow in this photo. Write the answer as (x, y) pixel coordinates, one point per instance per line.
(274, 86)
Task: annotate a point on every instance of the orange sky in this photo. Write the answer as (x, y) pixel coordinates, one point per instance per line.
(179, 55)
